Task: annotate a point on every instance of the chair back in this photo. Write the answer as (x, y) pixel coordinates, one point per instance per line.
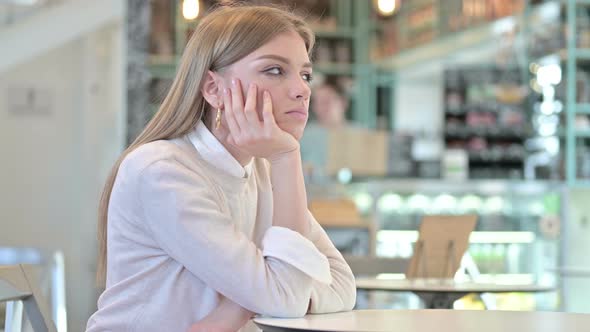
(18, 283)
(371, 266)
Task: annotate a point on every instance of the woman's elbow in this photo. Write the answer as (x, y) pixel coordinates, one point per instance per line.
(348, 294)
(294, 306)
(350, 300)
(287, 292)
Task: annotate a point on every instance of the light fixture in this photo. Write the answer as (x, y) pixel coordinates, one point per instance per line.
(549, 75)
(390, 203)
(190, 9)
(363, 201)
(387, 7)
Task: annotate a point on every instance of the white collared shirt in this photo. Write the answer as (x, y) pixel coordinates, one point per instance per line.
(182, 231)
(216, 154)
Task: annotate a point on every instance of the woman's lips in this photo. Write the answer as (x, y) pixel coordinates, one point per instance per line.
(300, 114)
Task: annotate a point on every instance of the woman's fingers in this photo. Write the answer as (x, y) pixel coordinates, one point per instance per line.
(267, 115)
(264, 139)
(230, 139)
(238, 104)
(229, 113)
(246, 130)
(250, 109)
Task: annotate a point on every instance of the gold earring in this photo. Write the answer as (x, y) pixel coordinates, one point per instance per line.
(218, 119)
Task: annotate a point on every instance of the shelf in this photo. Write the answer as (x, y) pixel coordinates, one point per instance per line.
(499, 155)
(411, 6)
(583, 54)
(583, 108)
(375, 26)
(510, 161)
(162, 66)
(479, 39)
(334, 68)
(488, 132)
(163, 71)
(168, 69)
(338, 33)
(437, 50)
(486, 107)
(459, 114)
(580, 184)
(382, 185)
(582, 133)
(426, 27)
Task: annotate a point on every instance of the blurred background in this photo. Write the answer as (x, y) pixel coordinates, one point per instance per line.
(419, 107)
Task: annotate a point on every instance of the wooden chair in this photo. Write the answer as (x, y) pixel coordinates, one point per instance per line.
(17, 283)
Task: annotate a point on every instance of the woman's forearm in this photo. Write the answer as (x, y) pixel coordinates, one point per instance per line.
(290, 198)
(226, 317)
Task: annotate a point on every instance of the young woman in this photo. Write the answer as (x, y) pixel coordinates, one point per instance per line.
(204, 220)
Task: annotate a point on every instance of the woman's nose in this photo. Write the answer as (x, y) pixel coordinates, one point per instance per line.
(300, 89)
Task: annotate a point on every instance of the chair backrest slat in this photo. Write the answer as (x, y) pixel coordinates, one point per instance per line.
(10, 293)
(17, 282)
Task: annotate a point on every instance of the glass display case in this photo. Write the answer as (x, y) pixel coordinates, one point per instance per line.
(516, 239)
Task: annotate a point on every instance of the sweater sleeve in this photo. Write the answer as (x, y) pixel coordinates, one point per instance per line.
(186, 221)
(340, 294)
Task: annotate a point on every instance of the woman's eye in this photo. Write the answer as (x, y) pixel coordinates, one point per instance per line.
(274, 71)
(308, 77)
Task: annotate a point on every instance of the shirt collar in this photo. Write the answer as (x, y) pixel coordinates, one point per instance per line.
(215, 153)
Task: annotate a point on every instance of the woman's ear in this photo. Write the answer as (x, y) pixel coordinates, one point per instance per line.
(211, 89)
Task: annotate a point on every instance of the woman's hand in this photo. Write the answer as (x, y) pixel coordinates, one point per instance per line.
(208, 327)
(262, 139)
(228, 316)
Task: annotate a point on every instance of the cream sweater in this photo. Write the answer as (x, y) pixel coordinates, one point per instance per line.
(182, 230)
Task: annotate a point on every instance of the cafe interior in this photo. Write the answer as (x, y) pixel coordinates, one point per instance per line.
(446, 155)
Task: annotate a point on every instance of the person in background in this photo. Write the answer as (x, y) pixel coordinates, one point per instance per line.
(203, 221)
(329, 105)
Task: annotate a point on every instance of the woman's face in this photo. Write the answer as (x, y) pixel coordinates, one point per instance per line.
(282, 68)
(329, 106)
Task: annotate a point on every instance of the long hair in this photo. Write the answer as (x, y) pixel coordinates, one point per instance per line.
(224, 36)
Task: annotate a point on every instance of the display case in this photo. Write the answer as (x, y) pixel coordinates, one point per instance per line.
(516, 239)
(486, 116)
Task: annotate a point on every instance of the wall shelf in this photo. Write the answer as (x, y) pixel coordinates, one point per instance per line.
(582, 133)
(337, 33)
(334, 68)
(583, 108)
(582, 54)
(574, 57)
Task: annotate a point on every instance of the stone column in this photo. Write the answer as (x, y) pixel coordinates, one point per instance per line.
(138, 75)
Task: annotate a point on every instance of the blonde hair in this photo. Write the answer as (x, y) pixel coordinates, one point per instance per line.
(223, 37)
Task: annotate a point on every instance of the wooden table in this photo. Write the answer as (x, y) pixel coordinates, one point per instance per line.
(441, 293)
(430, 320)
